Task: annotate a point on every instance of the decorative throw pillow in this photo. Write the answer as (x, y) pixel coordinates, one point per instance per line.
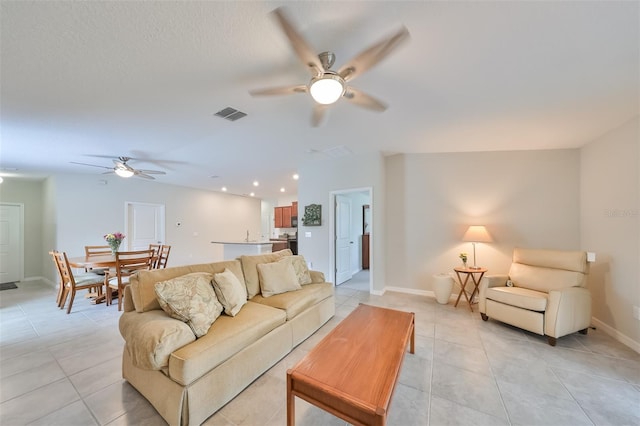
(190, 299)
(301, 269)
(277, 277)
(230, 291)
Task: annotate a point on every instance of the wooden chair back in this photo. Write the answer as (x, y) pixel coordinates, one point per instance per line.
(90, 251)
(156, 253)
(163, 257)
(68, 281)
(129, 262)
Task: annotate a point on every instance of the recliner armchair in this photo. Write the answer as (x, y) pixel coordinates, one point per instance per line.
(545, 293)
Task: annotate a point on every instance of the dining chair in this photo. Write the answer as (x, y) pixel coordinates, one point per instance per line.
(127, 264)
(70, 283)
(163, 257)
(156, 251)
(92, 251)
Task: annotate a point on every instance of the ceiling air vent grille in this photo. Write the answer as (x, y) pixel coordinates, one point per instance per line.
(230, 114)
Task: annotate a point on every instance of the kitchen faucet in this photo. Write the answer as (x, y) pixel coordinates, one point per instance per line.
(247, 239)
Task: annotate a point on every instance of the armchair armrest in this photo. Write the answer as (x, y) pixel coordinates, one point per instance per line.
(486, 282)
(568, 311)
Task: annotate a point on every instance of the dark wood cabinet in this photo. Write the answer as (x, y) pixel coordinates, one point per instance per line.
(278, 218)
(365, 251)
(282, 215)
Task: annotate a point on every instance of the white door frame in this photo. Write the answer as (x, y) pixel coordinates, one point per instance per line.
(20, 237)
(332, 232)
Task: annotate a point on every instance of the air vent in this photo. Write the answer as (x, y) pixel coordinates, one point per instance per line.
(230, 114)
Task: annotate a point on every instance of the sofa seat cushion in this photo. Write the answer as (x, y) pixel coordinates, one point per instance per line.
(294, 302)
(226, 337)
(519, 297)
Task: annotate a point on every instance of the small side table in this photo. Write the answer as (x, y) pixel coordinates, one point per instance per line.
(476, 276)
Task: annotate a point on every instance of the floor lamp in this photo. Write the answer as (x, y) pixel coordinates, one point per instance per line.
(476, 234)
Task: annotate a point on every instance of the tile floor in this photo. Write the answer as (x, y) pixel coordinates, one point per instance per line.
(58, 369)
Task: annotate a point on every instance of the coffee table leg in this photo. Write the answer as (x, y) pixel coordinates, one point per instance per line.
(291, 404)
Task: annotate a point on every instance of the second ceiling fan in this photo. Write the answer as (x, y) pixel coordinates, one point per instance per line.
(327, 86)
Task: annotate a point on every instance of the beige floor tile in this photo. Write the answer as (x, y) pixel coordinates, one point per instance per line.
(74, 414)
(37, 403)
(31, 379)
(449, 413)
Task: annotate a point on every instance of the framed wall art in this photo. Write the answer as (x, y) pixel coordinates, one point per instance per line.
(312, 215)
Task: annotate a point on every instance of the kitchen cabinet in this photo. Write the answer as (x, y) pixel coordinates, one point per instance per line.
(365, 251)
(278, 218)
(282, 215)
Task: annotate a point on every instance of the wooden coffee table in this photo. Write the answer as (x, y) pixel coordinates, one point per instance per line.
(353, 371)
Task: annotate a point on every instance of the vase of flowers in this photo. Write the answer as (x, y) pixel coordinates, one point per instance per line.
(463, 257)
(114, 240)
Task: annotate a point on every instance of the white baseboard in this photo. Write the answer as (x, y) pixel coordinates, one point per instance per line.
(622, 338)
(46, 280)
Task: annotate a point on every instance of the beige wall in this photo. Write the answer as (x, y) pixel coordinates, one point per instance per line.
(524, 198)
(609, 217)
(317, 180)
(77, 210)
(30, 194)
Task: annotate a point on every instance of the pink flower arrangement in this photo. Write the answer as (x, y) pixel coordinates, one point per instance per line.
(114, 240)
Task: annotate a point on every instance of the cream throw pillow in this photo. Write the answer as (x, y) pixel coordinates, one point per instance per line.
(230, 291)
(190, 298)
(301, 269)
(277, 277)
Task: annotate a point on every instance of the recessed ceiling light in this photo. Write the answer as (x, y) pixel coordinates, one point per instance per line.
(224, 189)
(256, 183)
(281, 189)
(252, 194)
(296, 176)
(1, 180)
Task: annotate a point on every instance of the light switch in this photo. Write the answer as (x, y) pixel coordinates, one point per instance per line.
(591, 256)
(307, 234)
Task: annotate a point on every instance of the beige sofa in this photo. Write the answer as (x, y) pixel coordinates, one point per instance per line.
(188, 379)
(545, 293)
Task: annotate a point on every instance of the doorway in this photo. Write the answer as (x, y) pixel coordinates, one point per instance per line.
(145, 224)
(11, 242)
(347, 227)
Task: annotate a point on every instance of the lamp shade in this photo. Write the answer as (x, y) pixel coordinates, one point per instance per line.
(477, 234)
(125, 173)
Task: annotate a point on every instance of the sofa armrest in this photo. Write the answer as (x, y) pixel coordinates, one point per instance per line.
(128, 305)
(486, 282)
(152, 336)
(317, 277)
(568, 310)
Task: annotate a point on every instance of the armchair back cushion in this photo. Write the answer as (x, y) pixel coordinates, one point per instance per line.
(546, 270)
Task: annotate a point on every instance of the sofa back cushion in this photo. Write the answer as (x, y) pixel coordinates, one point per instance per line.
(545, 270)
(250, 268)
(143, 282)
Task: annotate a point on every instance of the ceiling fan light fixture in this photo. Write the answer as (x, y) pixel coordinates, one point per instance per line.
(125, 173)
(327, 89)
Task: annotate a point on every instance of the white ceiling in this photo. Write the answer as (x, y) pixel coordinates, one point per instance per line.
(82, 80)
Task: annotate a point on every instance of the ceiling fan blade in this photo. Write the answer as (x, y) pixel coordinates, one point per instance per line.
(142, 175)
(319, 114)
(151, 172)
(92, 165)
(373, 55)
(363, 100)
(285, 90)
(306, 54)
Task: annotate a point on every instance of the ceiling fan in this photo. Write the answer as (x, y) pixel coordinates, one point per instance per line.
(327, 86)
(122, 169)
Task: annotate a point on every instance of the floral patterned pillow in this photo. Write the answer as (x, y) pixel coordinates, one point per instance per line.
(191, 299)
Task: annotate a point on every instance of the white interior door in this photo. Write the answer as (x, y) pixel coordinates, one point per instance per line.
(344, 241)
(145, 225)
(11, 242)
